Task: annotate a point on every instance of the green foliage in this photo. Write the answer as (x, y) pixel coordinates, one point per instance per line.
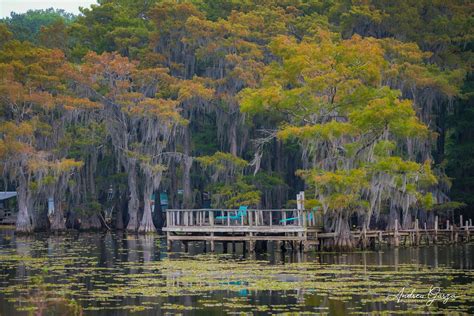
(358, 92)
(27, 26)
(449, 206)
(223, 166)
(460, 147)
(232, 195)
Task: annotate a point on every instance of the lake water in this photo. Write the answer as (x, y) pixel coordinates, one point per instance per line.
(119, 274)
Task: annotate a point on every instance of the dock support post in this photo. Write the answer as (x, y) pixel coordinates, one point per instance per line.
(277, 244)
(168, 241)
(428, 237)
(435, 239)
(396, 237)
(417, 233)
(451, 227)
(466, 228)
(251, 243)
(363, 238)
(224, 246)
(213, 244)
(185, 244)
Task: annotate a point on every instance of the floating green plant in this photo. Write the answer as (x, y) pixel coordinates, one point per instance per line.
(83, 274)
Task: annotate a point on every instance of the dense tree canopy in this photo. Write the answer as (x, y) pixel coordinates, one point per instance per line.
(365, 105)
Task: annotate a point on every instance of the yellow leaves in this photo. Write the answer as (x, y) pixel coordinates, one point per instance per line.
(6, 72)
(190, 89)
(3, 149)
(388, 113)
(162, 109)
(427, 177)
(222, 160)
(66, 165)
(257, 100)
(43, 99)
(400, 52)
(5, 33)
(54, 167)
(15, 130)
(329, 131)
(365, 11)
(396, 165)
(108, 70)
(340, 189)
(71, 103)
(407, 64)
(364, 58)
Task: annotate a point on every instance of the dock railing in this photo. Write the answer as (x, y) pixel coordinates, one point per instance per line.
(232, 217)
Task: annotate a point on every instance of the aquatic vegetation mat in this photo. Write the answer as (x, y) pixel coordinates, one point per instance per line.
(129, 274)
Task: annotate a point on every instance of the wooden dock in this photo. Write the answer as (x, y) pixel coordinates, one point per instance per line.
(218, 225)
(292, 229)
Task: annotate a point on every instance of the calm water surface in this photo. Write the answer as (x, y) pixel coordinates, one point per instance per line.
(119, 274)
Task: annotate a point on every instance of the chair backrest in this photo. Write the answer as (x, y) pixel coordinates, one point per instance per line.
(242, 210)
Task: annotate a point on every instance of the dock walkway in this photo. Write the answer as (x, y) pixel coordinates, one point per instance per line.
(295, 228)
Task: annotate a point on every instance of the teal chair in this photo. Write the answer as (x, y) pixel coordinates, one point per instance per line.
(242, 212)
(310, 217)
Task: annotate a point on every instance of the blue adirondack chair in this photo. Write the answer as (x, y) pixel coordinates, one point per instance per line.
(310, 217)
(240, 213)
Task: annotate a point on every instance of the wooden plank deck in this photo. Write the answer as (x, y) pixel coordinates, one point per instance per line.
(295, 227)
(223, 225)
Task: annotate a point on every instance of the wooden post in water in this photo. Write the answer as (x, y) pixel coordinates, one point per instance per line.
(417, 232)
(251, 243)
(396, 237)
(460, 221)
(435, 238)
(467, 231)
(364, 238)
(277, 245)
(452, 232)
(427, 236)
(168, 241)
(213, 244)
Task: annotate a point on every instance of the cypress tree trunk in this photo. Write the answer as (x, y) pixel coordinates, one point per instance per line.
(57, 222)
(23, 221)
(187, 164)
(343, 233)
(233, 138)
(393, 215)
(187, 194)
(146, 225)
(133, 203)
(119, 217)
(90, 222)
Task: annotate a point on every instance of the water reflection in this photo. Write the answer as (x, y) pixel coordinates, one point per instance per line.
(118, 273)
